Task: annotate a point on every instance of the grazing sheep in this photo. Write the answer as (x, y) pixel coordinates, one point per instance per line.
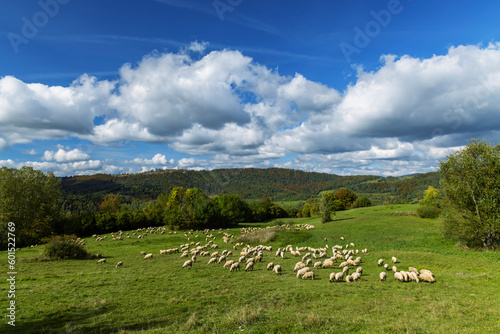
(380, 262)
(249, 266)
(101, 260)
(355, 276)
(394, 260)
(241, 259)
(235, 266)
(383, 276)
(270, 266)
(299, 265)
(308, 274)
(345, 270)
(332, 277)
(348, 278)
(228, 264)
(317, 264)
(394, 269)
(212, 260)
(398, 276)
(426, 276)
(222, 258)
(359, 270)
(413, 270)
(277, 269)
(250, 260)
(302, 271)
(143, 253)
(344, 264)
(327, 263)
(258, 258)
(339, 276)
(187, 263)
(193, 258)
(413, 276)
(405, 275)
(426, 271)
(119, 264)
(148, 256)
(308, 262)
(278, 252)
(386, 266)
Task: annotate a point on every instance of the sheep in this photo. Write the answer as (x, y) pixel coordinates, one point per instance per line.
(270, 266)
(426, 276)
(343, 264)
(250, 260)
(241, 259)
(302, 271)
(327, 263)
(187, 263)
(119, 264)
(228, 263)
(101, 260)
(277, 269)
(394, 269)
(308, 274)
(386, 266)
(380, 262)
(235, 266)
(348, 278)
(394, 260)
(143, 253)
(222, 258)
(278, 252)
(426, 271)
(148, 256)
(317, 264)
(332, 277)
(383, 276)
(339, 276)
(355, 276)
(359, 270)
(345, 270)
(249, 266)
(413, 276)
(413, 270)
(398, 276)
(308, 262)
(258, 258)
(193, 258)
(212, 260)
(299, 265)
(405, 275)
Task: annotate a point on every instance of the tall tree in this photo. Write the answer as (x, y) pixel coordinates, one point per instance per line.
(30, 199)
(470, 179)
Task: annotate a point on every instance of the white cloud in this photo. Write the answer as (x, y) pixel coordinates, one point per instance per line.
(64, 155)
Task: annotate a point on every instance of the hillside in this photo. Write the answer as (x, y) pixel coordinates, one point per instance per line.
(276, 183)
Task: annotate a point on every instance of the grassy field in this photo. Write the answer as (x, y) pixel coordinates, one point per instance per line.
(157, 296)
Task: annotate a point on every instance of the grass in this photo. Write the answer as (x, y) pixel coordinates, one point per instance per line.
(157, 296)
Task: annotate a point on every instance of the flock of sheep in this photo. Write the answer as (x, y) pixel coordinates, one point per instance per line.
(344, 258)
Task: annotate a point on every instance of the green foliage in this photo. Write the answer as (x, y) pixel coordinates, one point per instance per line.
(64, 248)
(344, 199)
(470, 180)
(427, 211)
(361, 202)
(31, 200)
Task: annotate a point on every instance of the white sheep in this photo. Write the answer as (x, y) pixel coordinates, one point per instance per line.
(148, 256)
(228, 264)
(270, 266)
(187, 263)
(249, 266)
(383, 276)
(318, 264)
(302, 271)
(241, 259)
(339, 276)
(299, 265)
(235, 266)
(327, 263)
(394, 269)
(277, 269)
(359, 270)
(308, 262)
(101, 260)
(212, 260)
(413, 270)
(332, 277)
(386, 266)
(426, 276)
(398, 276)
(308, 274)
(222, 258)
(355, 276)
(380, 262)
(348, 278)
(394, 260)
(119, 264)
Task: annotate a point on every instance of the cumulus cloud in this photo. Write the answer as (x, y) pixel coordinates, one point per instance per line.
(65, 155)
(226, 110)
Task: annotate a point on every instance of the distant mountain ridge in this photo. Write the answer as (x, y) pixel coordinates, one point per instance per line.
(250, 183)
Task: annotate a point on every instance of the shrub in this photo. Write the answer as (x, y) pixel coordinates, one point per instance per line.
(426, 211)
(65, 247)
(259, 236)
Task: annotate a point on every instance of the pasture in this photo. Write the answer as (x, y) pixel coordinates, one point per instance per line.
(158, 296)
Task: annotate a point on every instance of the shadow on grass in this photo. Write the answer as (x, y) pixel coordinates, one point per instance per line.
(81, 320)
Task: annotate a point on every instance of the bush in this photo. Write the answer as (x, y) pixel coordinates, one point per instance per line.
(261, 236)
(65, 247)
(426, 211)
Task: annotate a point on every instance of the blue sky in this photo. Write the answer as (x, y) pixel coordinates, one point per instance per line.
(345, 87)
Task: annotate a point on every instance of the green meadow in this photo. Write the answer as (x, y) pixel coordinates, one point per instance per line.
(158, 296)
